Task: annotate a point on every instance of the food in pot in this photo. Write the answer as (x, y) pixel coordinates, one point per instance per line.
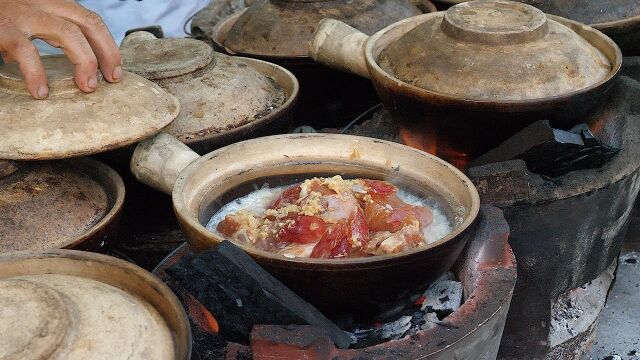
(332, 218)
(52, 316)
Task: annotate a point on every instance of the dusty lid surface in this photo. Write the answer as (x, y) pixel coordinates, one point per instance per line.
(284, 28)
(495, 50)
(589, 11)
(54, 316)
(235, 94)
(222, 95)
(154, 59)
(47, 206)
(71, 123)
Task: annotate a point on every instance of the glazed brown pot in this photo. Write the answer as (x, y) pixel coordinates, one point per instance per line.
(372, 285)
(63, 328)
(71, 204)
(279, 32)
(458, 124)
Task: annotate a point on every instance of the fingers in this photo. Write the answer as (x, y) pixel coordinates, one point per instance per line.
(68, 36)
(95, 31)
(15, 46)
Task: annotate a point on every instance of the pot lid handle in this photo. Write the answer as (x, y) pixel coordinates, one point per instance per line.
(59, 71)
(495, 22)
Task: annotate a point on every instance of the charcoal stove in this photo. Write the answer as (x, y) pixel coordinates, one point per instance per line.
(566, 232)
(487, 271)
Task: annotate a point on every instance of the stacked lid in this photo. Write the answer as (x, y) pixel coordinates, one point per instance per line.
(217, 93)
(53, 204)
(71, 123)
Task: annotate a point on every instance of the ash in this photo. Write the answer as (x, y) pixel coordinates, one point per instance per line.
(442, 298)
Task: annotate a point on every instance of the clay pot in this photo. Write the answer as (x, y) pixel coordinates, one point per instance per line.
(472, 76)
(201, 185)
(280, 31)
(223, 99)
(77, 305)
(72, 203)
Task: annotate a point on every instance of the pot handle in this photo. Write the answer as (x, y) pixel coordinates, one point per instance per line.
(158, 161)
(339, 46)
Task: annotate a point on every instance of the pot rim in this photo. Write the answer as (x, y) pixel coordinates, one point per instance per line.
(183, 342)
(280, 111)
(371, 52)
(100, 173)
(189, 220)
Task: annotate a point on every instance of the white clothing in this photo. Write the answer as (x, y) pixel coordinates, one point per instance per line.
(122, 15)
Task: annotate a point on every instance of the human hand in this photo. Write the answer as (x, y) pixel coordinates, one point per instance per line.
(80, 33)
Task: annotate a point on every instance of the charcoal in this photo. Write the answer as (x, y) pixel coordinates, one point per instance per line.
(443, 298)
(207, 345)
(551, 152)
(241, 294)
(538, 133)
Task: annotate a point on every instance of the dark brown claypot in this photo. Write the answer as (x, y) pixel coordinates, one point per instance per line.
(280, 31)
(373, 284)
(508, 72)
(72, 204)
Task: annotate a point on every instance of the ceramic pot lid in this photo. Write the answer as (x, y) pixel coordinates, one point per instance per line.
(589, 11)
(225, 94)
(61, 316)
(493, 51)
(284, 28)
(70, 123)
(47, 205)
(145, 55)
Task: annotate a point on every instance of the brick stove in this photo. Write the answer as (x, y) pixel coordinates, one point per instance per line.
(487, 271)
(566, 232)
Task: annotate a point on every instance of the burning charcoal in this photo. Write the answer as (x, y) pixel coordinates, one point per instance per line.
(551, 152)
(393, 330)
(208, 346)
(241, 294)
(443, 298)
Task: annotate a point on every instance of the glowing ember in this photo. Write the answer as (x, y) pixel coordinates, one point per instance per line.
(425, 140)
(201, 316)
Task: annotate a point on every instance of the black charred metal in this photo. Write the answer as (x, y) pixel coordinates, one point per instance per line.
(241, 294)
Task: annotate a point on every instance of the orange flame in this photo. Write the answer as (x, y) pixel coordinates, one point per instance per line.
(201, 316)
(425, 140)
